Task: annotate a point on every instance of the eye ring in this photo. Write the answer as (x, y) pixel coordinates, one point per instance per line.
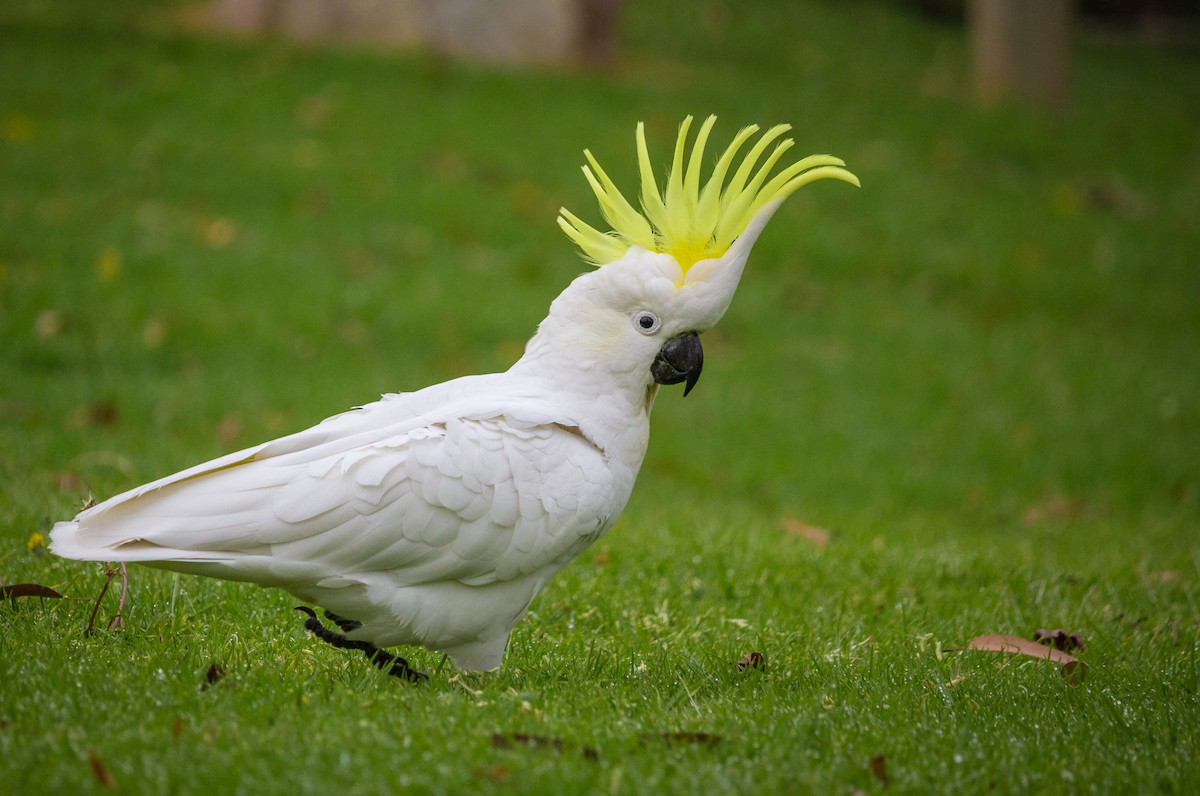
(646, 322)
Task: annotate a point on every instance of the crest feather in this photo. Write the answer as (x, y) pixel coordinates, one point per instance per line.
(688, 221)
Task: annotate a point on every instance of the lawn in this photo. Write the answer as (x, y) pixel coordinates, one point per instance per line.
(962, 400)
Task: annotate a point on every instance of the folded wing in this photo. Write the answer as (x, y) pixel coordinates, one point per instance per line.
(475, 497)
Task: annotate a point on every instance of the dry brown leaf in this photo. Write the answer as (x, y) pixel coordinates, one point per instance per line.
(100, 771)
(1059, 639)
(818, 536)
(212, 676)
(1054, 508)
(497, 774)
(219, 232)
(28, 590)
(230, 429)
(696, 738)
(1074, 672)
(97, 414)
(1072, 669)
(508, 741)
(752, 660)
(879, 769)
(48, 324)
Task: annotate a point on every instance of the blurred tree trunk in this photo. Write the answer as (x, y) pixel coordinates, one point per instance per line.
(1022, 50)
(598, 31)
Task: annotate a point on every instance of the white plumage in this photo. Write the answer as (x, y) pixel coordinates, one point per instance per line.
(431, 526)
(434, 517)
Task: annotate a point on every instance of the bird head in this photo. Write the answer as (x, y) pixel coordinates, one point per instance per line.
(667, 273)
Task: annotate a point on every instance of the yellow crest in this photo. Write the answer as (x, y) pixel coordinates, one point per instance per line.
(689, 222)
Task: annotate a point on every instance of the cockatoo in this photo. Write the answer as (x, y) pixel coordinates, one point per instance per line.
(434, 517)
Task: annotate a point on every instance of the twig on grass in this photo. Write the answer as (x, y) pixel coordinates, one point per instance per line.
(117, 621)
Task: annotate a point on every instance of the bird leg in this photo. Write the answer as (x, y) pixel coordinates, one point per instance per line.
(382, 659)
(347, 625)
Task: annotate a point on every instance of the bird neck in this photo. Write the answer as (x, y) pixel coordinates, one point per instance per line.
(575, 364)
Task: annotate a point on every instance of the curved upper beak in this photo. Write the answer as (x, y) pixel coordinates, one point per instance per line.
(680, 359)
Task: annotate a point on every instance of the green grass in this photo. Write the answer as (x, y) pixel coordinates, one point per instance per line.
(980, 372)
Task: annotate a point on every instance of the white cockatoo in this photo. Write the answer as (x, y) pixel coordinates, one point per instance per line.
(433, 517)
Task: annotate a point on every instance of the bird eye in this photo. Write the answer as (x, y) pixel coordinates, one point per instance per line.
(645, 322)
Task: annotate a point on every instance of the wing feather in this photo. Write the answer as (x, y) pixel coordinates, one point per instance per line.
(440, 496)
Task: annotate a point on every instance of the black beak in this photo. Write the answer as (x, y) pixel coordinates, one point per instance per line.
(680, 359)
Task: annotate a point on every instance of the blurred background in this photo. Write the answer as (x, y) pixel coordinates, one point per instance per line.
(221, 223)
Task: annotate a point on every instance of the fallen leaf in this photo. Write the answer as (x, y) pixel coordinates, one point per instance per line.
(154, 332)
(177, 728)
(1116, 197)
(752, 660)
(600, 559)
(219, 232)
(696, 738)
(1074, 672)
(1072, 669)
(230, 429)
(95, 415)
(879, 769)
(510, 740)
(100, 771)
(28, 590)
(1055, 508)
(492, 773)
(212, 676)
(48, 324)
(819, 537)
(1059, 639)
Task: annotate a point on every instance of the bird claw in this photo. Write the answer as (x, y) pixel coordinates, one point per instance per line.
(401, 669)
